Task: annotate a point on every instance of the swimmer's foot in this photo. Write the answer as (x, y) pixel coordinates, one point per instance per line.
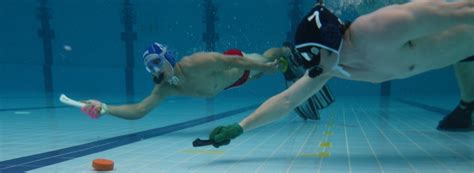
(458, 120)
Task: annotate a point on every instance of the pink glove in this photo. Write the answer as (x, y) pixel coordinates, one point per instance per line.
(94, 108)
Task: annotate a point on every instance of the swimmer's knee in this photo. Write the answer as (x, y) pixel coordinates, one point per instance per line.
(270, 53)
(257, 57)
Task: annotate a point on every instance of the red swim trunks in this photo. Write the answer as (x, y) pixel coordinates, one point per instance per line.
(244, 76)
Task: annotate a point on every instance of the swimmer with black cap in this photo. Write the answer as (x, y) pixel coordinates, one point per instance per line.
(394, 42)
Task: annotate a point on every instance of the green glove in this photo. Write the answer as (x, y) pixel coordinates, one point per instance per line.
(223, 134)
(284, 64)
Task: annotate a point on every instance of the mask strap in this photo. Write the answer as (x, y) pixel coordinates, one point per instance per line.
(338, 68)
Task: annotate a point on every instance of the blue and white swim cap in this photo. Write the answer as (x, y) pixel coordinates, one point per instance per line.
(154, 56)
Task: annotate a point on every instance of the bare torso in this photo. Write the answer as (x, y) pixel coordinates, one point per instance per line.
(199, 82)
(376, 60)
(208, 84)
(379, 64)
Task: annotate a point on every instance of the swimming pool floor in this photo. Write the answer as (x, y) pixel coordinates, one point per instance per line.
(368, 134)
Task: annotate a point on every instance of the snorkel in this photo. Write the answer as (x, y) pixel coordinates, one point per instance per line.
(155, 58)
(319, 29)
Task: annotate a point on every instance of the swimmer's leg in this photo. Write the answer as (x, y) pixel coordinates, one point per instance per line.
(465, 76)
(260, 59)
(461, 117)
(257, 57)
(269, 56)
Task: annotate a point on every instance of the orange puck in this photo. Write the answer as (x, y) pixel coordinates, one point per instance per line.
(103, 165)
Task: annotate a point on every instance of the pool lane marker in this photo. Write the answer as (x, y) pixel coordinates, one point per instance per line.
(27, 163)
(325, 145)
(328, 133)
(323, 154)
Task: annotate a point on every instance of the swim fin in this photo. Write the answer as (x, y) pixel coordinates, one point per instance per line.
(458, 120)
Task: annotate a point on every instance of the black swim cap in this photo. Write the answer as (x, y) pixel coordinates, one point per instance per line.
(319, 29)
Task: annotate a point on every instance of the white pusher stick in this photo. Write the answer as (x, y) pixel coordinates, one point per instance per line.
(66, 100)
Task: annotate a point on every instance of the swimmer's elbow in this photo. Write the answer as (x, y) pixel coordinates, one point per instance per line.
(286, 102)
(139, 113)
(134, 116)
(272, 52)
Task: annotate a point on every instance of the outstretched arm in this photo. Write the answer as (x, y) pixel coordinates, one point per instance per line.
(280, 105)
(271, 110)
(134, 111)
(138, 110)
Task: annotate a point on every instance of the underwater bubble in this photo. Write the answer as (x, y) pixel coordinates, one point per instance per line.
(67, 48)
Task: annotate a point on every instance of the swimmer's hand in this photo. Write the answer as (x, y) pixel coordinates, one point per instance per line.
(94, 108)
(283, 64)
(223, 134)
(274, 66)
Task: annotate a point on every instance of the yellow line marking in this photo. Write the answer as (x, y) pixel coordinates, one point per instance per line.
(325, 144)
(328, 133)
(191, 151)
(323, 154)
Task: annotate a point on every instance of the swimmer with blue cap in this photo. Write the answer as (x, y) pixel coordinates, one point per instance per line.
(394, 42)
(202, 74)
(158, 60)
